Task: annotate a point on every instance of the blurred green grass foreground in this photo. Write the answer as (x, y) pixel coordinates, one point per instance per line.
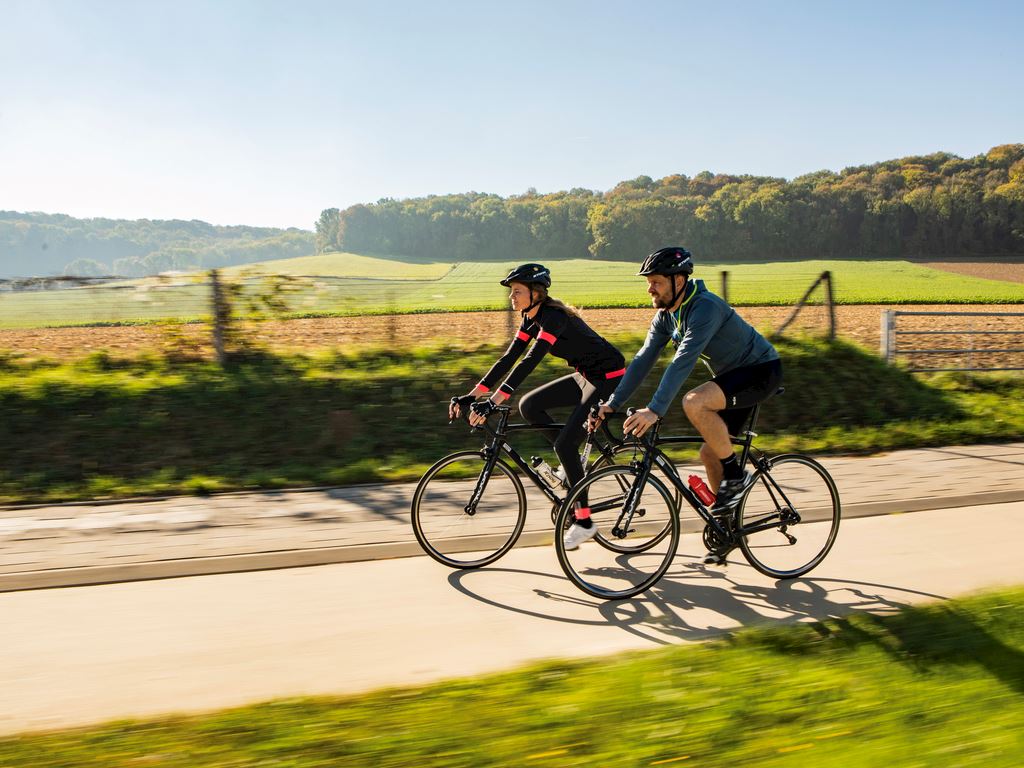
(106, 427)
(939, 685)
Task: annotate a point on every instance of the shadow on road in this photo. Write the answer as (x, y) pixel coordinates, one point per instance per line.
(677, 608)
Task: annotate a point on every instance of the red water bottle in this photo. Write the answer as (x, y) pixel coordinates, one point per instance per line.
(701, 489)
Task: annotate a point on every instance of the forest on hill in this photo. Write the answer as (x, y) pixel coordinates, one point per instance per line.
(37, 244)
(935, 205)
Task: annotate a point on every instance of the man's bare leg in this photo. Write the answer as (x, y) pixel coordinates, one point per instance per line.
(702, 405)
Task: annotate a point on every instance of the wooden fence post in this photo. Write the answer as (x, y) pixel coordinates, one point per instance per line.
(221, 317)
(725, 286)
(829, 298)
(512, 318)
(886, 335)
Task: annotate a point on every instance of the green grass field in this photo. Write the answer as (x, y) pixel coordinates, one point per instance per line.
(940, 685)
(349, 284)
(348, 265)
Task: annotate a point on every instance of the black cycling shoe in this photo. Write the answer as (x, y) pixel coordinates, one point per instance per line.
(729, 493)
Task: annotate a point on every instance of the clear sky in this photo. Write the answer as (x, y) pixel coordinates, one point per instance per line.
(265, 113)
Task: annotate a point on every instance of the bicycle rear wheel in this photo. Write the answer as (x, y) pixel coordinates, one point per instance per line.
(790, 516)
(456, 533)
(646, 550)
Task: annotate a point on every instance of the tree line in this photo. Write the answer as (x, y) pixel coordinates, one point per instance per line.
(36, 244)
(929, 206)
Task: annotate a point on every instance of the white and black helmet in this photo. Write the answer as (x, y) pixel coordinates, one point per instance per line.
(529, 273)
(674, 260)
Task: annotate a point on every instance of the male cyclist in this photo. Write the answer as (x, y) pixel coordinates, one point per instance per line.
(745, 366)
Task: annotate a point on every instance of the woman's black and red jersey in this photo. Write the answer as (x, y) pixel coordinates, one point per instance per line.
(565, 336)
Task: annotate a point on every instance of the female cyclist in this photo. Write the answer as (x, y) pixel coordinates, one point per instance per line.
(558, 329)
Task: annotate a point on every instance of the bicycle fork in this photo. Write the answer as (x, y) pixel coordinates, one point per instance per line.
(630, 507)
(491, 453)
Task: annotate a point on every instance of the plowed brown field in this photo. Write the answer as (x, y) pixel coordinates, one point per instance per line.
(1003, 270)
(857, 323)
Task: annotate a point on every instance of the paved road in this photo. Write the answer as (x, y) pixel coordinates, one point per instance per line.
(101, 543)
(87, 654)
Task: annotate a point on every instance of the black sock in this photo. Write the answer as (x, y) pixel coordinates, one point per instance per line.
(586, 522)
(731, 468)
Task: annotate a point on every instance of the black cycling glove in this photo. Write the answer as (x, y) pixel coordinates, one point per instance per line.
(464, 401)
(483, 408)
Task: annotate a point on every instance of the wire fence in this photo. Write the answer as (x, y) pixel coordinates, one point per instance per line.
(954, 341)
(179, 314)
(78, 301)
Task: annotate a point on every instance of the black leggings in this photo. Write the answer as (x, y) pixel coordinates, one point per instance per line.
(572, 391)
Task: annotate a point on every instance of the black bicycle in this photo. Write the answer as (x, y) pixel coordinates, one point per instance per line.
(470, 507)
(785, 520)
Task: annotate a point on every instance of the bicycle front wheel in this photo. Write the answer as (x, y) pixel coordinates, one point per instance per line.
(464, 519)
(646, 547)
(636, 544)
(789, 518)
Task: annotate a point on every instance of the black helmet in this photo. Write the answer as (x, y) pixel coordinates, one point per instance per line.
(529, 273)
(668, 261)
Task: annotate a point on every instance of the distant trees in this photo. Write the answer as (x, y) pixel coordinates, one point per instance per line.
(327, 229)
(931, 205)
(45, 244)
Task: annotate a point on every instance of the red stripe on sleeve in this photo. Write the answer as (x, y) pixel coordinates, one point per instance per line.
(483, 389)
(545, 336)
(523, 336)
(615, 374)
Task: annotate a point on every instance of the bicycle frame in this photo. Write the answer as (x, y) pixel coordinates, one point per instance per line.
(497, 444)
(650, 445)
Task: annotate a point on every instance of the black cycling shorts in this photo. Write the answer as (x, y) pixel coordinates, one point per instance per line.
(744, 388)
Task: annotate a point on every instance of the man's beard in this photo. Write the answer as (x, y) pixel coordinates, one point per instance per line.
(659, 302)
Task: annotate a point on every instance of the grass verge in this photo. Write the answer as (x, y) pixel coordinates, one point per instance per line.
(104, 427)
(938, 685)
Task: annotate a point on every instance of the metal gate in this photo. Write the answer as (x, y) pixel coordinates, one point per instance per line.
(963, 341)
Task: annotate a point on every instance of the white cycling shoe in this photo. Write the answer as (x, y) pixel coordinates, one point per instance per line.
(577, 534)
(716, 558)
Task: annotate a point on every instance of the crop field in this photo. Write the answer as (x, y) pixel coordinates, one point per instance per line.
(349, 285)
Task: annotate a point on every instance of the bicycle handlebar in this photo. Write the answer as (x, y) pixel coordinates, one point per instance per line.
(490, 408)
